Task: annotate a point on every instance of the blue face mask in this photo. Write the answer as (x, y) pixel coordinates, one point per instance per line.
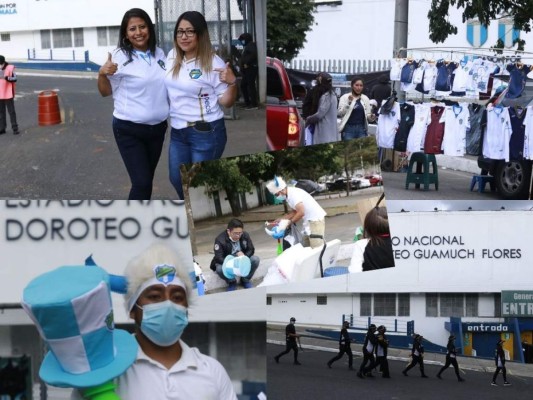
(281, 197)
(163, 323)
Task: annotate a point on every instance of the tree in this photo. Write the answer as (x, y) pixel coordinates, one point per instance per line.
(486, 11)
(288, 21)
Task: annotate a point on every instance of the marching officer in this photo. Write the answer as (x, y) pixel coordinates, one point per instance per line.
(451, 359)
(381, 351)
(344, 346)
(290, 338)
(368, 353)
(499, 358)
(417, 356)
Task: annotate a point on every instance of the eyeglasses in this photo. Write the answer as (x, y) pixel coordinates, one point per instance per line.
(189, 33)
(235, 233)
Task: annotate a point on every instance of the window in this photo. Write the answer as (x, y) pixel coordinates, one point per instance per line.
(269, 300)
(452, 305)
(107, 35)
(471, 303)
(5, 37)
(46, 41)
(62, 38)
(366, 304)
(432, 305)
(78, 37)
(404, 309)
(497, 304)
(385, 304)
(321, 300)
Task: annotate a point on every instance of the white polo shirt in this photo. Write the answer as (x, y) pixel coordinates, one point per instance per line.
(457, 120)
(497, 134)
(193, 95)
(194, 376)
(388, 126)
(139, 92)
(313, 211)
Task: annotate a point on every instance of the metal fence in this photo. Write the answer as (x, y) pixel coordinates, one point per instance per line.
(58, 55)
(340, 66)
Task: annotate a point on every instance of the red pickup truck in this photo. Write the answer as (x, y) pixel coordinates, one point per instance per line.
(285, 126)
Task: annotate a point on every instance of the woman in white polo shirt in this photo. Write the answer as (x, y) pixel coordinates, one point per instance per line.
(198, 83)
(134, 74)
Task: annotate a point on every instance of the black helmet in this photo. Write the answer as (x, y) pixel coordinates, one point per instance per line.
(452, 337)
(382, 328)
(372, 327)
(346, 323)
(293, 319)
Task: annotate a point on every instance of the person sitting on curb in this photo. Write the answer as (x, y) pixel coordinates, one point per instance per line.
(234, 241)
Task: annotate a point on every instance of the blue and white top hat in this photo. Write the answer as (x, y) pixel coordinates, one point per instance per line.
(72, 309)
(236, 266)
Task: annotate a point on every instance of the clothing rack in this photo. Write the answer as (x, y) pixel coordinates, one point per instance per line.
(501, 54)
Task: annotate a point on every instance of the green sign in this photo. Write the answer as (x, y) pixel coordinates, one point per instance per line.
(517, 303)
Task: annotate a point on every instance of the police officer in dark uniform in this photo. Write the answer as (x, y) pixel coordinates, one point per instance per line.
(451, 359)
(368, 353)
(290, 337)
(499, 358)
(381, 352)
(344, 346)
(417, 356)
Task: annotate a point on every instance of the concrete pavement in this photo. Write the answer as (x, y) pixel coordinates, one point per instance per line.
(276, 335)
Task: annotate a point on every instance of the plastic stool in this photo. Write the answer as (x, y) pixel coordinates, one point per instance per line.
(333, 271)
(482, 181)
(421, 175)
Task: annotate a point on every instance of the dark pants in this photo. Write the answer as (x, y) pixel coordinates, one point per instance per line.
(291, 345)
(140, 146)
(504, 373)
(248, 86)
(416, 360)
(343, 350)
(383, 366)
(450, 361)
(254, 260)
(367, 358)
(10, 105)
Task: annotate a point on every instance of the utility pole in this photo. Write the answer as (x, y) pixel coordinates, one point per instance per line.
(401, 22)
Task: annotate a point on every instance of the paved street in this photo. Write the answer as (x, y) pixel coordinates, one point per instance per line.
(453, 185)
(314, 381)
(79, 159)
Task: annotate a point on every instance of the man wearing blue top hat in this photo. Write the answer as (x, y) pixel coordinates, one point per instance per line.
(235, 242)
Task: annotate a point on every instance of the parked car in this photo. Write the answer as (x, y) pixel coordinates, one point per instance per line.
(285, 126)
(339, 184)
(375, 180)
(310, 186)
(360, 183)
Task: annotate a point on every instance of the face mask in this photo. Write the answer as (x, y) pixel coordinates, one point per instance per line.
(163, 323)
(281, 197)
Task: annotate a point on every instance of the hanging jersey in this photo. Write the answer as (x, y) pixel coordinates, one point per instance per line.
(473, 134)
(138, 86)
(497, 134)
(194, 93)
(387, 127)
(407, 119)
(406, 80)
(435, 131)
(516, 143)
(456, 121)
(444, 76)
(415, 142)
(460, 80)
(517, 80)
(528, 134)
(396, 69)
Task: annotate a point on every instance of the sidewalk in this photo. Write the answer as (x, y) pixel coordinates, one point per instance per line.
(276, 335)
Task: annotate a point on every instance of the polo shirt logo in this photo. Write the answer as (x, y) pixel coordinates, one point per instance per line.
(195, 73)
(162, 64)
(165, 273)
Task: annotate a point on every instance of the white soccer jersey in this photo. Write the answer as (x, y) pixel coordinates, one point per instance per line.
(387, 127)
(430, 76)
(396, 69)
(415, 141)
(139, 93)
(528, 139)
(193, 95)
(497, 134)
(460, 78)
(456, 121)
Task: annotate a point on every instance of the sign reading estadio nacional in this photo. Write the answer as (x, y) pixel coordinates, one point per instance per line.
(37, 236)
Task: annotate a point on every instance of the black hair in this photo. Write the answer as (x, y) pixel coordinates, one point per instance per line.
(324, 86)
(355, 79)
(376, 225)
(123, 43)
(235, 223)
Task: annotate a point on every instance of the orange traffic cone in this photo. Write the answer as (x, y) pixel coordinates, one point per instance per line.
(49, 108)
